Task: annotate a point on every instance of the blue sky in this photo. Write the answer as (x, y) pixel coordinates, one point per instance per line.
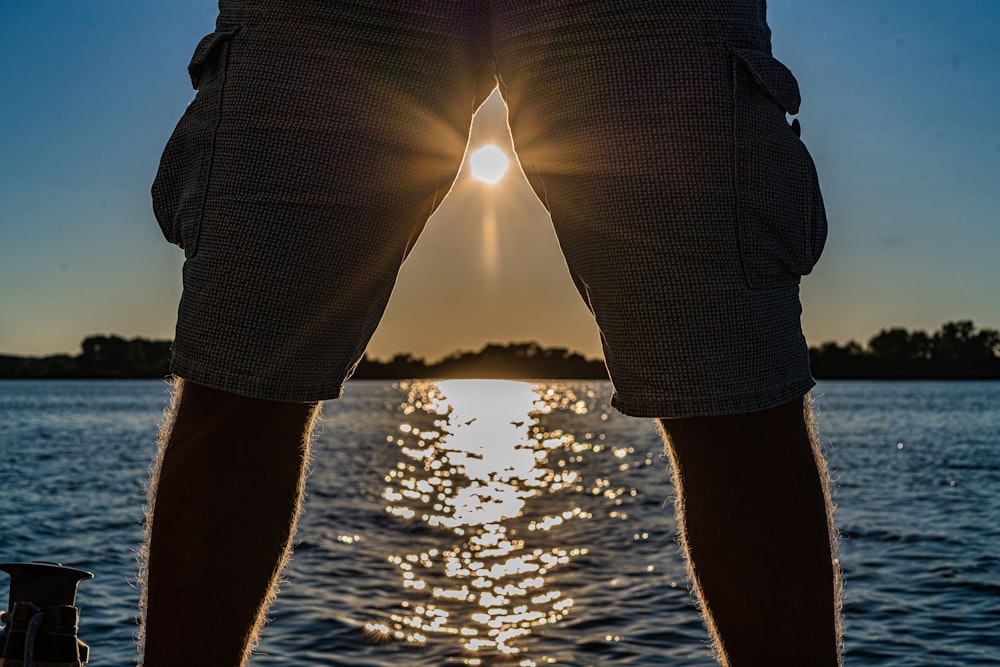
(901, 109)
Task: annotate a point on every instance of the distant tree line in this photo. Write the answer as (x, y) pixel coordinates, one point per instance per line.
(100, 357)
(516, 360)
(956, 351)
(116, 357)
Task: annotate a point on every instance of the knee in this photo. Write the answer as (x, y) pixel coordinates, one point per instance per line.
(754, 439)
(204, 414)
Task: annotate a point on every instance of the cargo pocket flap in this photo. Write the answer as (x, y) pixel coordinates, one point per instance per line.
(771, 75)
(204, 50)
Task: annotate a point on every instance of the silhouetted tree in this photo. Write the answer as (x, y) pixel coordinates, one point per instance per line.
(113, 356)
(104, 356)
(960, 343)
(893, 344)
(957, 350)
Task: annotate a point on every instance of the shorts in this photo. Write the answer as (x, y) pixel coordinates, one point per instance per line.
(324, 133)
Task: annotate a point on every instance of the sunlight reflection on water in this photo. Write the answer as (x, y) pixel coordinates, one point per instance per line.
(475, 461)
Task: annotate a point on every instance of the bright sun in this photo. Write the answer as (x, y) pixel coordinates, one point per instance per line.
(489, 164)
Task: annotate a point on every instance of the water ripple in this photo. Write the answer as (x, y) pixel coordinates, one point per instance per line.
(554, 509)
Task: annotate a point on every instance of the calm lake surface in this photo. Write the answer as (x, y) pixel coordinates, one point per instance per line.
(522, 523)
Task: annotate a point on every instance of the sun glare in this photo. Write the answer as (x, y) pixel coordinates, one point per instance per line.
(488, 164)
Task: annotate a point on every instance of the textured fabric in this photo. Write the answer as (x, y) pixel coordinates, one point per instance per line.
(324, 133)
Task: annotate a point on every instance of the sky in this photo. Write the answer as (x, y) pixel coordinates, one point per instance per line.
(901, 111)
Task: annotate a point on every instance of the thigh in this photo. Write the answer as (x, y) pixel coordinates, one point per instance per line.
(322, 137)
(685, 205)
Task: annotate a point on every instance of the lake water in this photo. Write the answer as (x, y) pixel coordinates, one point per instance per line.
(523, 523)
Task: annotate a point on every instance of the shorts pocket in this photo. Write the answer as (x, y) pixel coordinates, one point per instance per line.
(181, 182)
(780, 212)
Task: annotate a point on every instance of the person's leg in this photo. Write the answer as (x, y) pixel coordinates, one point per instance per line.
(223, 504)
(322, 137)
(688, 210)
(754, 512)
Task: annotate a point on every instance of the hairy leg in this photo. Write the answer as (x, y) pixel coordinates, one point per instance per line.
(754, 511)
(223, 501)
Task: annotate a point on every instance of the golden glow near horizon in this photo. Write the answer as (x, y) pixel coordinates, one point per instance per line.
(488, 164)
(487, 267)
(480, 471)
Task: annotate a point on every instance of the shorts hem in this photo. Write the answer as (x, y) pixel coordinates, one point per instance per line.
(712, 406)
(254, 387)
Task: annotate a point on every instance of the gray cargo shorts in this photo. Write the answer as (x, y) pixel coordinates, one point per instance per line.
(324, 133)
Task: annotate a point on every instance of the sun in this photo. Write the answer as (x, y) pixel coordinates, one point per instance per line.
(488, 164)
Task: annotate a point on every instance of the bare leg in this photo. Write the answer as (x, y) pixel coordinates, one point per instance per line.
(224, 499)
(754, 511)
